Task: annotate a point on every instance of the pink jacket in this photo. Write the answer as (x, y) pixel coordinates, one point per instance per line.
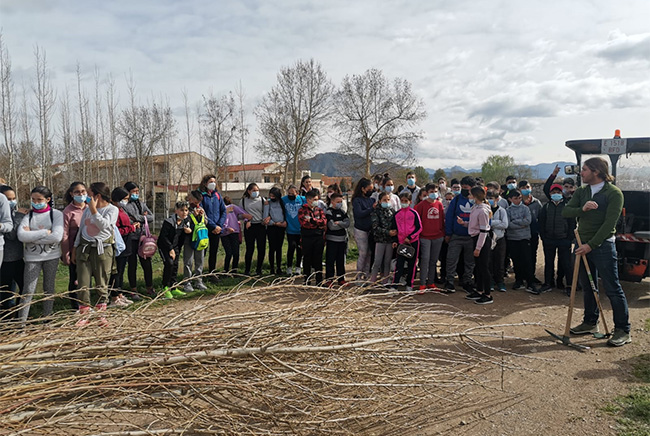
(71, 221)
(479, 223)
(408, 225)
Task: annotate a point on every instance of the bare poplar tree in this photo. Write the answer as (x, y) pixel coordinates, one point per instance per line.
(45, 100)
(241, 128)
(375, 118)
(218, 120)
(143, 129)
(85, 137)
(189, 125)
(66, 135)
(7, 113)
(27, 149)
(111, 106)
(292, 115)
(100, 132)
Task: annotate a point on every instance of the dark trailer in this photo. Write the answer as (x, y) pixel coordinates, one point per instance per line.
(630, 162)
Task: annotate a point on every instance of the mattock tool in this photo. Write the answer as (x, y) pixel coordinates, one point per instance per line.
(595, 291)
(566, 338)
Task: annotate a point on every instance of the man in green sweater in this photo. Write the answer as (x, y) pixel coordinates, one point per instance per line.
(597, 205)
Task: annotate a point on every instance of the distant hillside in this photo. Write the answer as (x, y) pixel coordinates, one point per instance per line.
(337, 164)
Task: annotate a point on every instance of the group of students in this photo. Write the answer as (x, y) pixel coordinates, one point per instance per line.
(470, 228)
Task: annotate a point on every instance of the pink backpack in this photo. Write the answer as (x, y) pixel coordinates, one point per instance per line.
(148, 246)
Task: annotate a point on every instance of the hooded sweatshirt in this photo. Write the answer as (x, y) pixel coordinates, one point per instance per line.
(6, 223)
(479, 223)
(459, 206)
(519, 218)
(499, 223)
(291, 208)
(408, 224)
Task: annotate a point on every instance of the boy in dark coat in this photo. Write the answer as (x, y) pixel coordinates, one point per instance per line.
(170, 241)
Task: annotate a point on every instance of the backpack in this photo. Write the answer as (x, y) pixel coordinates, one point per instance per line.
(200, 237)
(147, 246)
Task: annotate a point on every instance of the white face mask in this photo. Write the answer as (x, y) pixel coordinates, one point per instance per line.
(255, 194)
(404, 205)
(212, 186)
(124, 202)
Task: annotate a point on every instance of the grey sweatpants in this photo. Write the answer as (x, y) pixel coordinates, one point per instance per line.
(191, 258)
(32, 271)
(363, 261)
(429, 252)
(458, 244)
(383, 256)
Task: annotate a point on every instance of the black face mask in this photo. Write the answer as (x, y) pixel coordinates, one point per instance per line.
(464, 192)
(274, 199)
(291, 197)
(368, 193)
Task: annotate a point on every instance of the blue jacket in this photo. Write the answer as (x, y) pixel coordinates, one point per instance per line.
(291, 209)
(458, 207)
(362, 208)
(215, 209)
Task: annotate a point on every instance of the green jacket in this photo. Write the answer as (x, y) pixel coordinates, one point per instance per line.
(596, 225)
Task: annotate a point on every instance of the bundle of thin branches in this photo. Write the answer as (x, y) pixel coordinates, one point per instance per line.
(263, 360)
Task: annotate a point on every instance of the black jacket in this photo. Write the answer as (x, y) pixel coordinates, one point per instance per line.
(172, 236)
(551, 223)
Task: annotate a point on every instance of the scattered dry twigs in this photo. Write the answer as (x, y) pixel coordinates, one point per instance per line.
(280, 359)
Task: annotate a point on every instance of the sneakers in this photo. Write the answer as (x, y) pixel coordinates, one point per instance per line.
(473, 296)
(167, 294)
(545, 288)
(178, 293)
(518, 286)
(123, 298)
(289, 271)
(85, 312)
(409, 289)
(117, 303)
(567, 291)
(449, 287)
(533, 289)
(469, 288)
(485, 299)
(501, 287)
(422, 289)
(188, 288)
(296, 271)
(100, 309)
(619, 338)
(200, 286)
(585, 329)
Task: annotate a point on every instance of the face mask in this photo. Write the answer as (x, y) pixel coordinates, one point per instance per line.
(273, 199)
(433, 195)
(471, 201)
(80, 198)
(385, 205)
(455, 192)
(212, 186)
(314, 203)
(12, 204)
(376, 187)
(124, 202)
(556, 197)
(512, 186)
(135, 196)
(389, 189)
(404, 205)
(525, 192)
(410, 181)
(338, 205)
(464, 192)
(255, 194)
(368, 193)
(291, 197)
(491, 201)
(566, 193)
(39, 206)
(442, 185)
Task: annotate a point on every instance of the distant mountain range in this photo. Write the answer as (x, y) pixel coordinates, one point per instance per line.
(337, 164)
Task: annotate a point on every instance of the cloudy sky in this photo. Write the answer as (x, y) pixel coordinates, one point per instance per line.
(515, 77)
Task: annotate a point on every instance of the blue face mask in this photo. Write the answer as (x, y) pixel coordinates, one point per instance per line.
(455, 192)
(491, 201)
(556, 197)
(385, 205)
(525, 192)
(39, 206)
(255, 194)
(410, 181)
(471, 201)
(512, 186)
(79, 198)
(404, 205)
(135, 196)
(389, 189)
(12, 204)
(433, 195)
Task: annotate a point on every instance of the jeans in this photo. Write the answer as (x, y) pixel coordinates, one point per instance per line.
(170, 266)
(363, 261)
(498, 261)
(293, 242)
(335, 257)
(521, 258)
(563, 249)
(255, 234)
(429, 252)
(10, 272)
(383, 256)
(146, 269)
(458, 244)
(482, 276)
(231, 247)
(213, 248)
(312, 247)
(603, 262)
(275, 235)
(192, 258)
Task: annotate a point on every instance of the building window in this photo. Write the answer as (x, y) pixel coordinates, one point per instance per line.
(267, 179)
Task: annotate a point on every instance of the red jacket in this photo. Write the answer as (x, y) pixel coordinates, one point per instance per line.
(123, 223)
(312, 221)
(432, 216)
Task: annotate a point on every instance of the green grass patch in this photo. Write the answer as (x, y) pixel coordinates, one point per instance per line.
(647, 324)
(632, 412)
